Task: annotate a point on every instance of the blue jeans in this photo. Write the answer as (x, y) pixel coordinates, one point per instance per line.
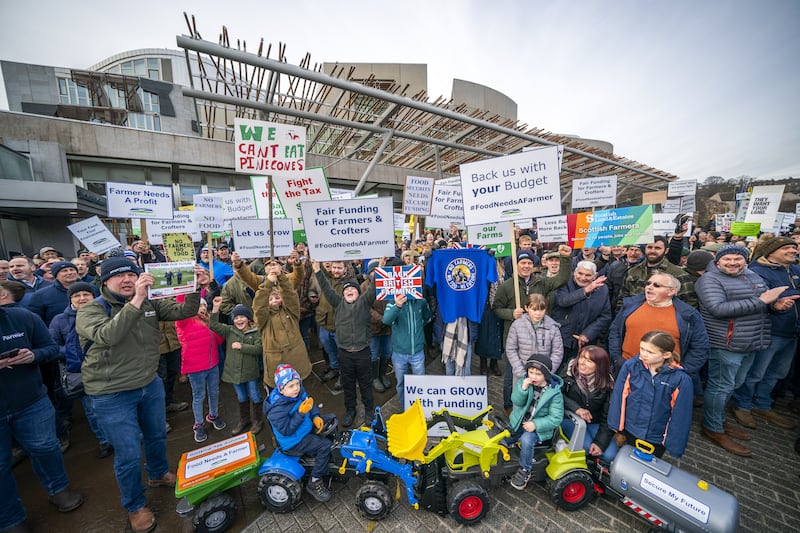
(92, 418)
(380, 345)
(400, 362)
(527, 443)
(247, 390)
(128, 418)
(769, 366)
(34, 428)
(450, 365)
(591, 432)
(726, 373)
(200, 382)
(328, 340)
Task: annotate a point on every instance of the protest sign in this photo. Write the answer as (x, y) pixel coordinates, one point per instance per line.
(208, 212)
(406, 279)
(294, 188)
(559, 147)
(267, 147)
(170, 279)
(455, 180)
(523, 223)
(260, 186)
(94, 235)
(417, 196)
(764, 203)
(360, 228)
(615, 227)
(654, 197)
(552, 229)
(238, 204)
(796, 211)
(182, 222)
(594, 192)
(496, 236)
(673, 205)
(745, 229)
(178, 246)
(127, 200)
(399, 222)
(682, 188)
(503, 188)
(722, 221)
(447, 207)
(252, 237)
(465, 395)
(664, 224)
(688, 204)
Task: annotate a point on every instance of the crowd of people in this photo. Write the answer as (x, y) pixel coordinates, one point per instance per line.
(713, 316)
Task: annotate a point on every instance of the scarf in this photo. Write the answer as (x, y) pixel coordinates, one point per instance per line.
(586, 383)
(456, 342)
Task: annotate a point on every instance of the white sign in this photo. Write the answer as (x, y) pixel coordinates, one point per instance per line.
(252, 237)
(94, 235)
(126, 200)
(238, 204)
(797, 211)
(417, 196)
(447, 207)
(560, 148)
(688, 204)
(671, 206)
(594, 192)
(722, 221)
(682, 188)
(360, 228)
(664, 224)
(260, 187)
(496, 236)
(170, 279)
(464, 395)
(524, 223)
(505, 188)
(182, 222)
(552, 229)
(268, 147)
(233, 451)
(675, 498)
(208, 212)
(455, 180)
(764, 203)
(307, 186)
(399, 222)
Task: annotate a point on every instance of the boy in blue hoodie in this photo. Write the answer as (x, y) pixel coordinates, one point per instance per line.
(297, 425)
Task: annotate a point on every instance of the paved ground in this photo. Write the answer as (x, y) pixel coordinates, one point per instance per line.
(767, 487)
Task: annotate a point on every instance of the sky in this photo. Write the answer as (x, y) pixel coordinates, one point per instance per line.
(696, 88)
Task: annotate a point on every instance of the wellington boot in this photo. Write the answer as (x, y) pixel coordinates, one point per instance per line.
(493, 368)
(258, 418)
(244, 419)
(383, 369)
(377, 384)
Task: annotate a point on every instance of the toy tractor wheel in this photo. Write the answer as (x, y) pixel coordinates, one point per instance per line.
(572, 491)
(215, 515)
(468, 502)
(279, 493)
(374, 501)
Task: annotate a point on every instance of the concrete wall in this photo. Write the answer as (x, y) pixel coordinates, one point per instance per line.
(29, 83)
(480, 96)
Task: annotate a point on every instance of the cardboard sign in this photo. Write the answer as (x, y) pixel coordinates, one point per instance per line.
(127, 200)
(94, 235)
(464, 395)
(552, 229)
(178, 246)
(764, 203)
(182, 222)
(417, 196)
(496, 236)
(617, 227)
(360, 228)
(238, 204)
(447, 207)
(292, 189)
(260, 186)
(406, 279)
(267, 147)
(505, 188)
(171, 279)
(654, 197)
(682, 188)
(252, 237)
(208, 212)
(594, 192)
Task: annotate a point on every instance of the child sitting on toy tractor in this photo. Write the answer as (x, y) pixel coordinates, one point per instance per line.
(297, 424)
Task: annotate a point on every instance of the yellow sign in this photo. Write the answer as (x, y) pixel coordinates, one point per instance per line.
(179, 246)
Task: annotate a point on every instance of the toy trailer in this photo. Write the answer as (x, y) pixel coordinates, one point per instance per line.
(206, 473)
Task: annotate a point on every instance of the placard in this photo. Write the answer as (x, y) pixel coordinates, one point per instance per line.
(465, 395)
(447, 207)
(252, 237)
(664, 224)
(406, 279)
(745, 229)
(523, 223)
(267, 147)
(672, 205)
(171, 279)
(682, 188)
(723, 221)
(504, 188)
(764, 203)
(654, 197)
(360, 228)
(260, 186)
(182, 222)
(94, 235)
(292, 189)
(238, 204)
(552, 229)
(178, 247)
(496, 236)
(417, 195)
(128, 200)
(594, 192)
(618, 227)
(688, 204)
(208, 212)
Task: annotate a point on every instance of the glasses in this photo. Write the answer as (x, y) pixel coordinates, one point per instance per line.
(658, 285)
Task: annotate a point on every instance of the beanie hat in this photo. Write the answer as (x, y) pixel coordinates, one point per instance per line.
(767, 247)
(242, 310)
(733, 249)
(352, 283)
(58, 266)
(698, 260)
(524, 255)
(81, 286)
(541, 363)
(116, 265)
(129, 253)
(284, 374)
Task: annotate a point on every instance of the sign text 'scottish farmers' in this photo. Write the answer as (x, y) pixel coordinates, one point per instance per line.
(617, 227)
(127, 200)
(507, 188)
(267, 147)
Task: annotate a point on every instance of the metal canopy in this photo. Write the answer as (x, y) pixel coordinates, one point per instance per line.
(374, 120)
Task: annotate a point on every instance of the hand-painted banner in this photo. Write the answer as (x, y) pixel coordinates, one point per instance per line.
(448, 207)
(406, 279)
(127, 200)
(296, 187)
(417, 196)
(252, 237)
(182, 222)
(268, 147)
(594, 192)
(208, 212)
(178, 247)
(94, 235)
(613, 227)
(495, 237)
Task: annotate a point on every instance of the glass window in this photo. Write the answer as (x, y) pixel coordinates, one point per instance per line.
(139, 67)
(71, 93)
(127, 68)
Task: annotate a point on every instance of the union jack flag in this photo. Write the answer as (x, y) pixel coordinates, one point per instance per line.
(406, 279)
(457, 245)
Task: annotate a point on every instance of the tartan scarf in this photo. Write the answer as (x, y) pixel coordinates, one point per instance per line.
(454, 346)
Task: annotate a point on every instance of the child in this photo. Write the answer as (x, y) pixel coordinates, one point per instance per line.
(199, 359)
(532, 333)
(296, 423)
(652, 399)
(353, 332)
(587, 392)
(241, 365)
(538, 411)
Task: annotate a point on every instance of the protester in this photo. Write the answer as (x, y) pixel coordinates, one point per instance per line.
(407, 317)
(380, 343)
(222, 271)
(20, 269)
(326, 317)
(169, 365)
(656, 261)
(51, 301)
(4, 267)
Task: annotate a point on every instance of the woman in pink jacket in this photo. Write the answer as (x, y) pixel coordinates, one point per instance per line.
(199, 360)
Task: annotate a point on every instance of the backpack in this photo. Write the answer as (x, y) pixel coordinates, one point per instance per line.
(70, 370)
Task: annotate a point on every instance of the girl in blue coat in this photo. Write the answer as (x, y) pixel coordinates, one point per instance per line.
(652, 399)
